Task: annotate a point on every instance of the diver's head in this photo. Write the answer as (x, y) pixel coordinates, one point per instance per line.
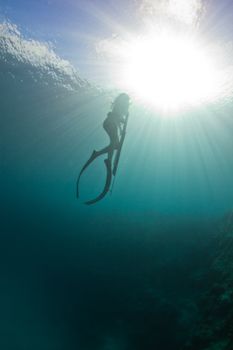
(121, 103)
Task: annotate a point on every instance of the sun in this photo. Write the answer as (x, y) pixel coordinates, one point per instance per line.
(169, 71)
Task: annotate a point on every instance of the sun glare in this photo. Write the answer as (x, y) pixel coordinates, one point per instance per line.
(170, 72)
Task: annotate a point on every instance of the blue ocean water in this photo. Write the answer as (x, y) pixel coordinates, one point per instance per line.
(119, 274)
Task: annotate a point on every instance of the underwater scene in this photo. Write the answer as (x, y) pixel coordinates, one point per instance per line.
(116, 168)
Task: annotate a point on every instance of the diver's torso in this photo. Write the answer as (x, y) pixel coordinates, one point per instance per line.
(113, 118)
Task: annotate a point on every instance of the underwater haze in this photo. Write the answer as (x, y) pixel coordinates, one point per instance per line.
(123, 274)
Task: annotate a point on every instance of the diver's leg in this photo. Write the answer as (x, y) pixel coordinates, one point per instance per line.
(113, 145)
(102, 151)
(113, 141)
(110, 154)
(109, 150)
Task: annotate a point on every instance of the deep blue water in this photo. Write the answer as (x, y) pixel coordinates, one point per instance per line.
(121, 274)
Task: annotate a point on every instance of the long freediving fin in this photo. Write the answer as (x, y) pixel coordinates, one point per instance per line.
(94, 155)
(108, 165)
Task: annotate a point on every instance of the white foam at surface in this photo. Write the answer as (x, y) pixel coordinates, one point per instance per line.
(16, 48)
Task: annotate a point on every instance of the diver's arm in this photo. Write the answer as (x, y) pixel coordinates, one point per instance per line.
(120, 128)
(121, 124)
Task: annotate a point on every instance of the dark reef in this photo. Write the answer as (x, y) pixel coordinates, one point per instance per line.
(214, 330)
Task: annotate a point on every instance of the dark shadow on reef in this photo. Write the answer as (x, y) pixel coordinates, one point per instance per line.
(215, 327)
(106, 284)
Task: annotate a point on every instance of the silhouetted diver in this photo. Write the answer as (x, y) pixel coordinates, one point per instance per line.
(115, 126)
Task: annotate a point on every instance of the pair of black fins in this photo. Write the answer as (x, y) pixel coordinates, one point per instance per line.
(111, 171)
